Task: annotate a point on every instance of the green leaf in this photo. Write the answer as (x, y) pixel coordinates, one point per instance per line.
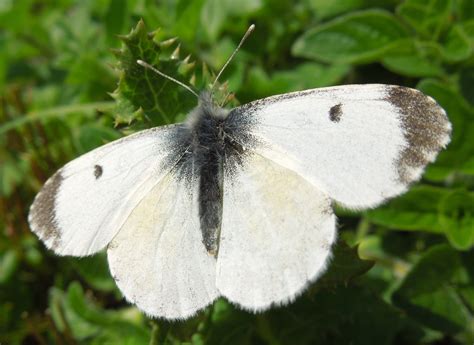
(74, 312)
(466, 83)
(55, 72)
(345, 314)
(456, 215)
(188, 22)
(231, 326)
(216, 13)
(329, 8)
(428, 17)
(465, 9)
(345, 266)
(415, 59)
(304, 76)
(326, 9)
(342, 315)
(427, 295)
(91, 136)
(12, 173)
(457, 45)
(468, 28)
(115, 18)
(87, 110)
(9, 262)
(354, 38)
(95, 271)
(416, 210)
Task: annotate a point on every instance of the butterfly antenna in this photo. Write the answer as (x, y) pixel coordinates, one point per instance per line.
(249, 31)
(147, 65)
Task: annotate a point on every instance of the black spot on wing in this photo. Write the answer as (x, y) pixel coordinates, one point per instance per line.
(98, 170)
(426, 129)
(335, 113)
(42, 217)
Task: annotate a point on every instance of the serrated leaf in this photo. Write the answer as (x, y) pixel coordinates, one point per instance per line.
(141, 89)
(354, 38)
(427, 295)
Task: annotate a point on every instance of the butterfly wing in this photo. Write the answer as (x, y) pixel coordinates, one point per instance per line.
(84, 204)
(277, 232)
(158, 259)
(360, 144)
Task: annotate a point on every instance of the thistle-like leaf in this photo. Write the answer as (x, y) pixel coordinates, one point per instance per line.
(141, 93)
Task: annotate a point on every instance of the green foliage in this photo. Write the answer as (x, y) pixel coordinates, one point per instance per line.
(353, 38)
(68, 84)
(430, 292)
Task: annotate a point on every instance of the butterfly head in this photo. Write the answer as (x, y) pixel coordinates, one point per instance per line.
(207, 108)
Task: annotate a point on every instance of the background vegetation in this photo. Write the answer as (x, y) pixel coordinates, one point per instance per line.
(57, 101)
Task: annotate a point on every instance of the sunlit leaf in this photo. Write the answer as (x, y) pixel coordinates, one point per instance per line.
(357, 37)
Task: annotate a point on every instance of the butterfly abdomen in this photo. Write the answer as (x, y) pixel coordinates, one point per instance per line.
(209, 151)
(207, 146)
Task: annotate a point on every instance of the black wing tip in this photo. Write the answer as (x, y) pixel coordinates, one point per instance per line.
(42, 214)
(426, 129)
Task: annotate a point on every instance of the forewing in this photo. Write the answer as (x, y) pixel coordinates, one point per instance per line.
(158, 258)
(276, 235)
(83, 205)
(360, 144)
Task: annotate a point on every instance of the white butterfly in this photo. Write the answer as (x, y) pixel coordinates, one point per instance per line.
(237, 203)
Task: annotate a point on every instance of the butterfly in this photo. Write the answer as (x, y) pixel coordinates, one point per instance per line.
(238, 202)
